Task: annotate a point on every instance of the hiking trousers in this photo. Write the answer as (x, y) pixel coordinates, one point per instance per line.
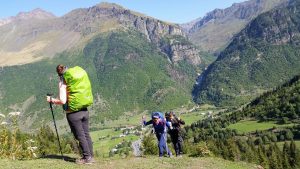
(162, 144)
(177, 142)
(79, 124)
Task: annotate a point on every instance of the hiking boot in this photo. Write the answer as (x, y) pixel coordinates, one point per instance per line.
(92, 160)
(84, 160)
(80, 161)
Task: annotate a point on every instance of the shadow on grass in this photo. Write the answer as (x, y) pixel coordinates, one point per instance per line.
(65, 158)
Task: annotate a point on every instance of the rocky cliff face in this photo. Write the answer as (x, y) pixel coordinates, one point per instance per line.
(213, 32)
(178, 50)
(156, 30)
(152, 28)
(90, 20)
(184, 52)
(186, 27)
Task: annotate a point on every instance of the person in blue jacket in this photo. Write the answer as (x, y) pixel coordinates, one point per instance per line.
(160, 127)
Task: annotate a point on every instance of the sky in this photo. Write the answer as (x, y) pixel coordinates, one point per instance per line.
(176, 11)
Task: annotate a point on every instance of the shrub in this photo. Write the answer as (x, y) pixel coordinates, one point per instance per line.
(13, 143)
(201, 150)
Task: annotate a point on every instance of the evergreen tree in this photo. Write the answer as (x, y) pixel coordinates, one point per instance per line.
(213, 146)
(262, 158)
(243, 146)
(278, 155)
(289, 135)
(233, 150)
(265, 139)
(273, 137)
(293, 154)
(223, 150)
(285, 156)
(273, 160)
(251, 156)
(259, 141)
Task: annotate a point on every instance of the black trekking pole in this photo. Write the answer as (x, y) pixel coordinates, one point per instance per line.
(50, 103)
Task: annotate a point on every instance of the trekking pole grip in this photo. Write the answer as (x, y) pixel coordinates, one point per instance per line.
(50, 95)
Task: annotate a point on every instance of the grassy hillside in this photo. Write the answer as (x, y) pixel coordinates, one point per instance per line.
(130, 163)
(255, 132)
(260, 57)
(281, 105)
(127, 72)
(246, 126)
(131, 73)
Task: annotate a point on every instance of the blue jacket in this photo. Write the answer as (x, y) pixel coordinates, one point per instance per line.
(159, 128)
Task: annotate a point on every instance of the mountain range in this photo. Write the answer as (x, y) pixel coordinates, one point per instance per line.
(135, 62)
(46, 35)
(262, 56)
(215, 30)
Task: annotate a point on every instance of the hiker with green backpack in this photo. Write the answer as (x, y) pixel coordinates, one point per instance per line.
(75, 94)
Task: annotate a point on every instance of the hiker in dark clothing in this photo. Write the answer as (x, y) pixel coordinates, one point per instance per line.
(160, 128)
(175, 132)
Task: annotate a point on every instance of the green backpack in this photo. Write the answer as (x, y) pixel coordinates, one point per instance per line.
(79, 89)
